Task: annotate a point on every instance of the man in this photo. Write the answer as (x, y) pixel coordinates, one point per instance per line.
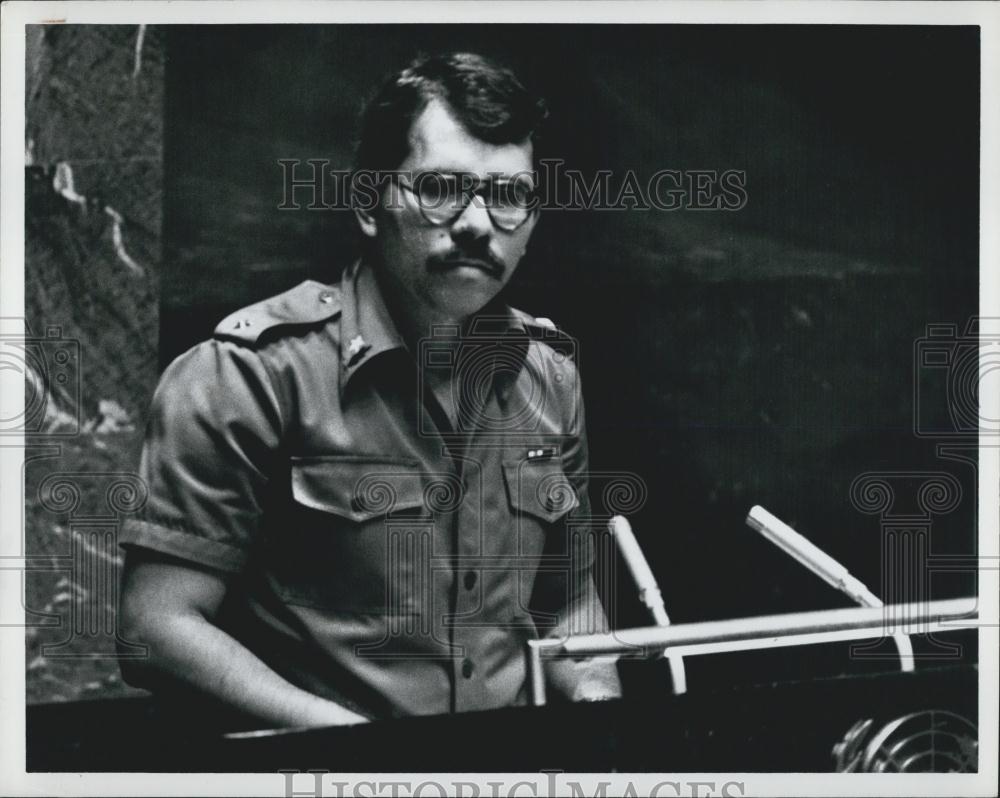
(365, 498)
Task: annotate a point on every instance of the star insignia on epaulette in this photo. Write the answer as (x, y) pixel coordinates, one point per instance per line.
(355, 345)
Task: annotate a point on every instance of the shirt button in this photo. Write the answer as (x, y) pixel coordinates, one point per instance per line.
(470, 579)
(467, 668)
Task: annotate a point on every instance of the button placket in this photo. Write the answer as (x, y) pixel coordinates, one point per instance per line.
(467, 596)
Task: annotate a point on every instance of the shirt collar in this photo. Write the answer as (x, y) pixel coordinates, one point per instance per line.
(366, 328)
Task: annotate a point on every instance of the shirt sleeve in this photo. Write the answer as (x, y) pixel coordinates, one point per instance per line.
(573, 596)
(578, 583)
(213, 431)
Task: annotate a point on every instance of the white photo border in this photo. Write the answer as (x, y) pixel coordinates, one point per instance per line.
(16, 15)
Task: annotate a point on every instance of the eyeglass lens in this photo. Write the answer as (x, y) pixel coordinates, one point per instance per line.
(443, 197)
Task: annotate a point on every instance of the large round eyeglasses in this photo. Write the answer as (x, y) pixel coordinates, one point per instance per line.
(442, 198)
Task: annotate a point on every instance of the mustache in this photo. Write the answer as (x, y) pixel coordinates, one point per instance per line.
(481, 258)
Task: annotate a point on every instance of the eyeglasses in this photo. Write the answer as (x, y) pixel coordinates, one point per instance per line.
(442, 198)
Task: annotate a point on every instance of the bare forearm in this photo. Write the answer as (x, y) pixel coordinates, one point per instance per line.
(188, 648)
(587, 679)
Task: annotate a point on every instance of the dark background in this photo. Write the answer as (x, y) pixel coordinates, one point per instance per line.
(764, 356)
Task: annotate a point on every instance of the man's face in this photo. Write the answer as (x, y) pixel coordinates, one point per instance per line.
(452, 270)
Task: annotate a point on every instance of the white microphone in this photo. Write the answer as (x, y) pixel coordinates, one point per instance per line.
(649, 591)
(824, 566)
(811, 556)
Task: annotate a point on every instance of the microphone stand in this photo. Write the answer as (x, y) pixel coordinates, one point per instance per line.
(824, 566)
(649, 592)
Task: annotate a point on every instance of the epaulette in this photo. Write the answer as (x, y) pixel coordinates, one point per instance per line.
(307, 303)
(546, 331)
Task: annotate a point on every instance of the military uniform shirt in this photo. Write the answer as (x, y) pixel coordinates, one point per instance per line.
(378, 552)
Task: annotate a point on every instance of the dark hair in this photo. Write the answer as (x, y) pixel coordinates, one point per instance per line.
(486, 98)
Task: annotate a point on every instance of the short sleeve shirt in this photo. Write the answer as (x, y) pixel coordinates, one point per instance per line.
(378, 553)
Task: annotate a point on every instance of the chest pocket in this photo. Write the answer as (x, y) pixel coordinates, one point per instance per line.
(540, 495)
(360, 534)
(557, 551)
(539, 488)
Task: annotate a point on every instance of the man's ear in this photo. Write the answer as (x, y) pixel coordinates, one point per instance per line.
(366, 221)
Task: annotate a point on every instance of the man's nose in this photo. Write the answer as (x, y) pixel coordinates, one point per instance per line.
(474, 221)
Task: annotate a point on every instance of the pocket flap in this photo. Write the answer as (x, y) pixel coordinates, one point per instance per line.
(540, 488)
(357, 487)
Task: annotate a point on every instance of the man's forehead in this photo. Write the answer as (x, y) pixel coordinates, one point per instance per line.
(438, 142)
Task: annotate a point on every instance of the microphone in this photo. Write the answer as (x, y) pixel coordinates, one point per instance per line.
(811, 556)
(649, 591)
(824, 566)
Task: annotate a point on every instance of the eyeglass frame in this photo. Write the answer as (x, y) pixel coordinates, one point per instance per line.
(467, 191)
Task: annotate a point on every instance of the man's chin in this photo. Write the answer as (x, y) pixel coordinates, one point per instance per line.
(463, 295)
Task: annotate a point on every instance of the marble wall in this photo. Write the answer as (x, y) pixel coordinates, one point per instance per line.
(93, 223)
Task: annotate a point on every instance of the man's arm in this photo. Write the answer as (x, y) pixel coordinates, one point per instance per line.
(171, 607)
(211, 445)
(574, 598)
(589, 679)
